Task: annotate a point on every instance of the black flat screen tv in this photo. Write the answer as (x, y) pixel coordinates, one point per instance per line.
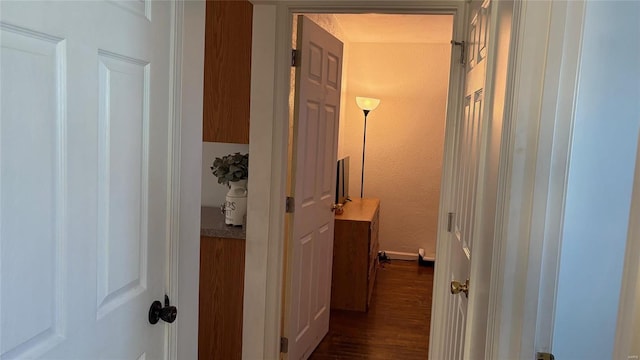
(342, 181)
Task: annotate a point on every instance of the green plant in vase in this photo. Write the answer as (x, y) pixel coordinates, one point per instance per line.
(230, 168)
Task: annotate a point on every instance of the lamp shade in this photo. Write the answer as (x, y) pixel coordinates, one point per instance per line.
(366, 103)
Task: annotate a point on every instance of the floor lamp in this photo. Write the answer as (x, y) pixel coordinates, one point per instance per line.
(367, 105)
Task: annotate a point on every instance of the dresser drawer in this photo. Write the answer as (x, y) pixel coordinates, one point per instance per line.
(373, 269)
(355, 255)
(373, 260)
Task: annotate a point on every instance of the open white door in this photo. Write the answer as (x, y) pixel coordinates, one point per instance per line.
(467, 161)
(315, 144)
(84, 177)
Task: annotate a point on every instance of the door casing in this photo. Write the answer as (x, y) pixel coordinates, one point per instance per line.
(519, 288)
(187, 47)
(272, 27)
(629, 309)
(525, 167)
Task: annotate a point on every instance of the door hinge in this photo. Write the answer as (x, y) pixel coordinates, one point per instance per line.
(450, 222)
(289, 204)
(544, 356)
(463, 47)
(284, 345)
(294, 57)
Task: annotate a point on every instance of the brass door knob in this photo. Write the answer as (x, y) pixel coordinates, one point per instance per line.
(458, 287)
(337, 208)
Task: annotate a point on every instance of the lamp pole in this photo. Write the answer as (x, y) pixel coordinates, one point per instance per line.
(364, 145)
(366, 104)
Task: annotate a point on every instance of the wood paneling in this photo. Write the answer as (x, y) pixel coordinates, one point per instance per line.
(355, 247)
(221, 298)
(396, 325)
(227, 71)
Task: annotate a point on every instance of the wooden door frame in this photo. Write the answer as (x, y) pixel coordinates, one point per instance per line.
(533, 158)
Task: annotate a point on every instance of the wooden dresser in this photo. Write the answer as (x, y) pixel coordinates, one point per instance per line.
(355, 255)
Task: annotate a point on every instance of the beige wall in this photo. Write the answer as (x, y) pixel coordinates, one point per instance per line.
(405, 137)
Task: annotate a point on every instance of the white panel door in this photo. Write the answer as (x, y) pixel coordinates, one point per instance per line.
(465, 178)
(83, 177)
(315, 143)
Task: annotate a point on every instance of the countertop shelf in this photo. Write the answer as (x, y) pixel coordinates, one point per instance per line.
(212, 225)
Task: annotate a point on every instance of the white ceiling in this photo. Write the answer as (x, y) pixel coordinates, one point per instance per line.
(396, 28)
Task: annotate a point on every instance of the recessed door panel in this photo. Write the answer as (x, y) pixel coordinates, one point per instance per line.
(123, 182)
(32, 192)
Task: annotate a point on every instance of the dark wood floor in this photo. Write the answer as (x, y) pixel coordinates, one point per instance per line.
(397, 324)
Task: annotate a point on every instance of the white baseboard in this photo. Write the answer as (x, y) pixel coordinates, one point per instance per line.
(429, 258)
(397, 255)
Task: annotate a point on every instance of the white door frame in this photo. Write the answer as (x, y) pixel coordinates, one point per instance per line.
(532, 171)
(536, 151)
(184, 191)
(272, 26)
(629, 308)
(556, 129)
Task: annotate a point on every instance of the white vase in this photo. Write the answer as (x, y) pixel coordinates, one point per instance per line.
(235, 206)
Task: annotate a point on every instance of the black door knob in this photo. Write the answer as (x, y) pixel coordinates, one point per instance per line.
(167, 313)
